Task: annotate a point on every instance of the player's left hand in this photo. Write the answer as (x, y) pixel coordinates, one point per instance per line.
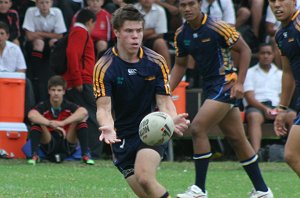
(237, 91)
(181, 123)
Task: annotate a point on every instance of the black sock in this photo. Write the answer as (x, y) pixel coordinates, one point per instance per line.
(82, 135)
(166, 195)
(201, 166)
(35, 138)
(253, 171)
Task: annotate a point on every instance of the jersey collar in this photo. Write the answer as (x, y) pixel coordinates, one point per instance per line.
(140, 52)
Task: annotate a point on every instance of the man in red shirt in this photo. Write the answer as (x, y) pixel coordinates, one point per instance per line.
(79, 75)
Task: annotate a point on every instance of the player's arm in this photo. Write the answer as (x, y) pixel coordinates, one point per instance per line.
(287, 90)
(288, 82)
(165, 104)
(244, 60)
(78, 116)
(37, 118)
(105, 120)
(178, 71)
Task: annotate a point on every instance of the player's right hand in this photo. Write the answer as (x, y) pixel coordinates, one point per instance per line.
(108, 134)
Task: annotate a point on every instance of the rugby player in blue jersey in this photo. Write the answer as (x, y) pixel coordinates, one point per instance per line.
(287, 39)
(209, 42)
(129, 82)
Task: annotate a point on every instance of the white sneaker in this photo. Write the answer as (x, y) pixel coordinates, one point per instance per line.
(193, 192)
(260, 194)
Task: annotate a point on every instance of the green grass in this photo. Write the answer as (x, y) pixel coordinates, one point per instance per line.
(73, 179)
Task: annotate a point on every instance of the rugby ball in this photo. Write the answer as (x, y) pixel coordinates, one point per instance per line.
(156, 128)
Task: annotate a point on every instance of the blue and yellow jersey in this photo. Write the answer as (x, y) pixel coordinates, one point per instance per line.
(131, 86)
(288, 41)
(209, 45)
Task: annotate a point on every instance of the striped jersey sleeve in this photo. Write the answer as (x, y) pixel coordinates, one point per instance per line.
(163, 84)
(227, 32)
(101, 88)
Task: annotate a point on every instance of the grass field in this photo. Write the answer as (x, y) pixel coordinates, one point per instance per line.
(73, 179)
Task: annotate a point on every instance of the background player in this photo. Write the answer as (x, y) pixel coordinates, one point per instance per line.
(209, 43)
(287, 40)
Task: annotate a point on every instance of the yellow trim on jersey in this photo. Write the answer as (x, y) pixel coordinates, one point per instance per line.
(225, 30)
(295, 15)
(297, 24)
(99, 73)
(114, 50)
(140, 55)
(204, 19)
(175, 39)
(160, 60)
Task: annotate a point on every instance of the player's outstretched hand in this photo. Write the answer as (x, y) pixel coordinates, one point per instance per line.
(279, 124)
(108, 134)
(181, 123)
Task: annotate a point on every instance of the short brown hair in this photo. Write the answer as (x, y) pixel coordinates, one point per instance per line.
(57, 81)
(126, 13)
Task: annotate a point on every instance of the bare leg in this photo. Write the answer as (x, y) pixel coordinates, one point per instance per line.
(256, 14)
(144, 182)
(292, 149)
(255, 120)
(233, 129)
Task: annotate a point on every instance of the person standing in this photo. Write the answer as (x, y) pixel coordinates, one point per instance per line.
(79, 74)
(210, 42)
(128, 80)
(287, 40)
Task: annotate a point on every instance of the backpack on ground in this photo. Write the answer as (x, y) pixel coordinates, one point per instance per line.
(58, 56)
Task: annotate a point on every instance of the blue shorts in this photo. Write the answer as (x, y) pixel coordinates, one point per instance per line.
(216, 89)
(124, 153)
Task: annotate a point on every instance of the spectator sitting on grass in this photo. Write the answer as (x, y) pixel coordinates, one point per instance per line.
(57, 125)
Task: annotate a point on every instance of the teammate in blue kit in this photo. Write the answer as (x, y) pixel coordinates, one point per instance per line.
(129, 81)
(287, 39)
(210, 42)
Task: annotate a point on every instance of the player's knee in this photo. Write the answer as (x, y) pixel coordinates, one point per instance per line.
(254, 118)
(289, 156)
(144, 181)
(196, 132)
(235, 142)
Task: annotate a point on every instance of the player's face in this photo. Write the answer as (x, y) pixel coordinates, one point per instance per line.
(56, 94)
(265, 55)
(3, 37)
(190, 9)
(130, 36)
(44, 6)
(283, 9)
(95, 5)
(5, 5)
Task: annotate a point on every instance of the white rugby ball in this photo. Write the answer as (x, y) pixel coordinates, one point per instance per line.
(156, 128)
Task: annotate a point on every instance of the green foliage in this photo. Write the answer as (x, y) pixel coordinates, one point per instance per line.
(74, 179)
